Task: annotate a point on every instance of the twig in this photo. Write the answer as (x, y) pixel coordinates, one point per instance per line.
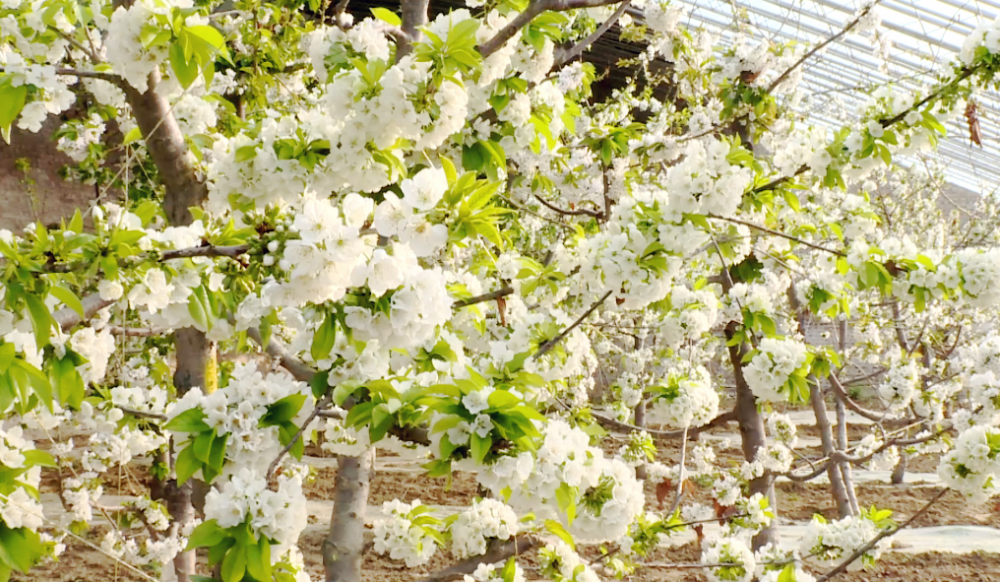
(534, 9)
(491, 296)
(766, 230)
(497, 552)
(547, 346)
(142, 413)
(841, 394)
(667, 434)
(884, 534)
(323, 403)
(136, 331)
(205, 251)
(577, 212)
(819, 47)
(109, 77)
(680, 474)
(581, 46)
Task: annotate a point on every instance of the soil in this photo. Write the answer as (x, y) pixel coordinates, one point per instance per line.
(797, 502)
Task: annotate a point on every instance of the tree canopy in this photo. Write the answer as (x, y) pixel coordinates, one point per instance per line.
(376, 230)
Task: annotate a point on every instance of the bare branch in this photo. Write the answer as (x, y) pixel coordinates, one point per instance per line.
(67, 318)
(136, 331)
(822, 45)
(577, 212)
(491, 296)
(534, 9)
(766, 230)
(884, 534)
(547, 346)
(205, 251)
(320, 406)
(142, 413)
(298, 369)
(577, 49)
(497, 552)
(109, 77)
(841, 393)
(667, 434)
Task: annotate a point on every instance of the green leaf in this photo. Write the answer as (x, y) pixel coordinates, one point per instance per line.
(133, 135)
(387, 16)
(41, 320)
(501, 399)
(203, 446)
(11, 103)
(247, 152)
(259, 559)
(566, 498)
(320, 383)
(186, 465)
(39, 458)
(480, 446)
(283, 410)
(556, 529)
(324, 338)
(207, 534)
(7, 354)
(186, 70)
(66, 382)
(69, 298)
(234, 565)
(217, 456)
(192, 420)
(209, 34)
(20, 548)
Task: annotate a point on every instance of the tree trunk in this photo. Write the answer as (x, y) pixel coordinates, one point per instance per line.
(640, 421)
(184, 189)
(414, 16)
(343, 547)
(845, 468)
(826, 436)
(752, 434)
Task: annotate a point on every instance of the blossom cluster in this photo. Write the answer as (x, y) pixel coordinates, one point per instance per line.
(610, 496)
(404, 532)
(485, 520)
(776, 361)
(280, 515)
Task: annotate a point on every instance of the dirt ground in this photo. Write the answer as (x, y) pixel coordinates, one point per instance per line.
(797, 502)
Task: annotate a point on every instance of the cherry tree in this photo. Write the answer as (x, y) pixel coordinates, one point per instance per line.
(430, 236)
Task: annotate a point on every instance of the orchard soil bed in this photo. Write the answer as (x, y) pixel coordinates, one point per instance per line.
(797, 502)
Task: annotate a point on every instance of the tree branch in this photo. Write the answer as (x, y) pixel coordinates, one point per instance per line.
(320, 406)
(496, 552)
(67, 318)
(819, 47)
(109, 77)
(491, 296)
(884, 534)
(534, 9)
(667, 434)
(766, 230)
(578, 212)
(566, 56)
(547, 346)
(231, 252)
(841, 394)
(298, 369)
